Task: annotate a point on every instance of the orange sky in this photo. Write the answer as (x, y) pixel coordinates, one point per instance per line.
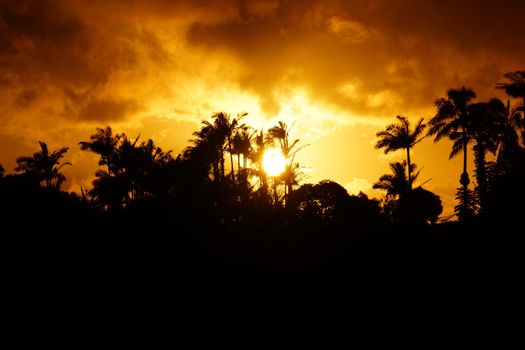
(341, 70)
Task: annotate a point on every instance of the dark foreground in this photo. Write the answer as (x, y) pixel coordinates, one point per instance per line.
(128, 271)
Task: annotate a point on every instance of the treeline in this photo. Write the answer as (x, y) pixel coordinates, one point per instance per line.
(223, 169)
(492, 127)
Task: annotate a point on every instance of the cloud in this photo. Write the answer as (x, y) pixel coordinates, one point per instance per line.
(358, 185)
(107, 110)
(350, 31)
(26, 97)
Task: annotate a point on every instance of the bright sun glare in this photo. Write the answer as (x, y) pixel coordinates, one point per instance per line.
(273, 162)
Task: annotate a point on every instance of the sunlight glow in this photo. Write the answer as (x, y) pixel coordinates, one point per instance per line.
(274, 162)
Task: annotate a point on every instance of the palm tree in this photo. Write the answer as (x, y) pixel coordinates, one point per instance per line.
(110, 192)
(44, 165)
(260, 142)
(281, 134)
(507, 130)
(452, 121)
(226, 127)
(516, 88)
(486, 118)
(103, 143)
(396, 184)
(516, 85)
(292, 175)
(242, 145)
(127, 167)
(153, 164)
(215, 138)
(208, 149)
(401, 136)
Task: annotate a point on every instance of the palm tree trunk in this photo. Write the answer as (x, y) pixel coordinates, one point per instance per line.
(215, 169)
(238, 163)
(231, 159)
(465, 157)
(409, 177)
(222, 166)
(276, 197)
(464, 180)
(288, 191)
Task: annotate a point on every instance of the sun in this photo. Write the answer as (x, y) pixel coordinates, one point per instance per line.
(273, 162)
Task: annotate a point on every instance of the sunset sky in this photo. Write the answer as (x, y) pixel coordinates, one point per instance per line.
(339, 70)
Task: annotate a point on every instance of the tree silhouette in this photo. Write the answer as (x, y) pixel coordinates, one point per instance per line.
(328, 205)
(134, 171)
(467, 205)
(214, 139)
(324, 202)
(452, 121)
(109, 192)
(396, 184)
(404, 204)
(242, 145)
(207, 149)
(103, 143)
(256, 156)
(44, 166)
(225, 126)
(515, 87)
(281, 134)
(507, 130)
(485, 120)
(2, 171)
(419, 206)
(401, 136)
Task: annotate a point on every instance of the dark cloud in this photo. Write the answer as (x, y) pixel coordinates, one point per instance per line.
(107, 110)
(411, 48)
(43, 21)
(410, 51)
(45, 41)
(26, 98)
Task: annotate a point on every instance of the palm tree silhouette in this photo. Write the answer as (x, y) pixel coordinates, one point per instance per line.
(208, 148)
(401, 136)
(242, 145)
(452, 121)
(397, 184)
(103, 143)
(215, 139)
(44, 166)
(516, 88)
(256, 156)
(281, 134)
(226, 127)
(109, 192)
(510, 123)
(151, 163)
(485, 121)
(516, 85)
